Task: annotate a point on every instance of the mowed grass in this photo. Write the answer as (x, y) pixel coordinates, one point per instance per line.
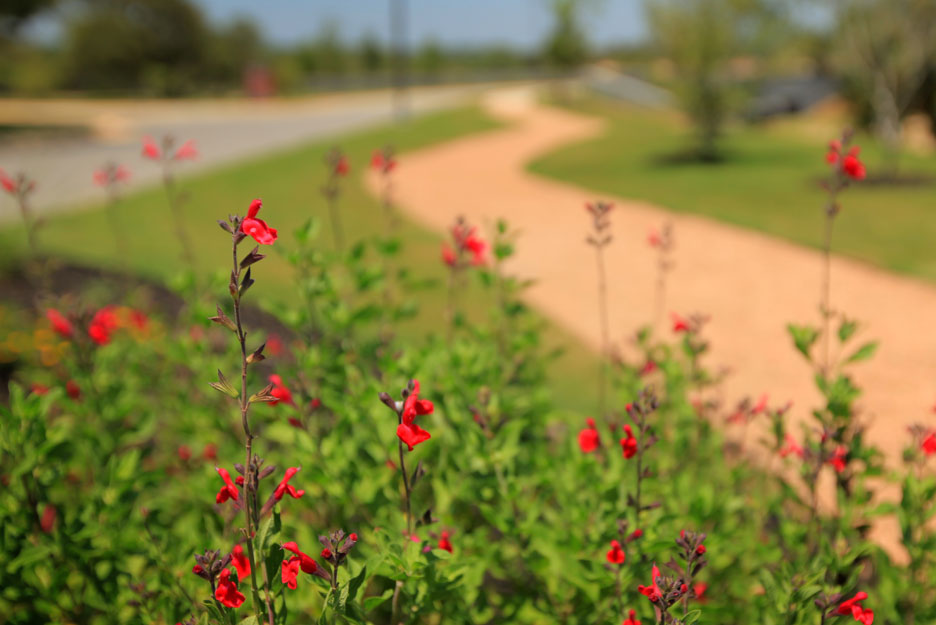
(289, 184)
(768, 182)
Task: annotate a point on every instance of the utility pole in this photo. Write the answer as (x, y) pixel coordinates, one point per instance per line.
(399, 16)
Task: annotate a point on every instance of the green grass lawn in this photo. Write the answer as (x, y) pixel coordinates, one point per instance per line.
(769, 183)
(289, 184)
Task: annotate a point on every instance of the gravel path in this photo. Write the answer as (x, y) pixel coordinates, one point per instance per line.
(751, 285)
(224, 131)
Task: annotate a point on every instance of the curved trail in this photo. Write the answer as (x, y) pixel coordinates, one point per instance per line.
(751, 285)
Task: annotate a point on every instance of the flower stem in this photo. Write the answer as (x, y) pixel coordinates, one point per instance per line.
(605, 333)
(825, 306)
(175, 206)
(406, 489)
(250, 485)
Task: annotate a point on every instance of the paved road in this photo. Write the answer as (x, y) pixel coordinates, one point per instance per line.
(224, 131)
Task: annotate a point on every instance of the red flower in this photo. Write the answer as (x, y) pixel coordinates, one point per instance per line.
(652, 592)
(186, 151)
(588, 438)
(39, 389)
(227, 592)
(648, 368)
(701, 550)
(326, 553)
(257, 228)
(477, 247)
(73, 390)
(407, 431)
(838, 460)
(791, 447)
(102, 325)
(653, 238)
(111, 174)
(852, 166)
(305, 562)
(629, 443)
(342, 167)
(139, 319)
(150, 149)
(210, 451)
(241, 562)
(699, 591)
(412, 435)
(185, 454)
(280, 392)
(680, 324)
(637, 533)
(929, 444)
(761, 405)
(60, 324)
(854, 608)
(444, 542)
(285, 487)
(9, 185)
(228, 491)
(381, 162)
(615, 554)
(291, 571)
(448, 255)
(631, 618)
(49, 514)
(353, 537)
(466, 240)
(274, 345)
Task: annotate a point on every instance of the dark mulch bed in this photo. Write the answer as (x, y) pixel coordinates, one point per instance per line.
(80, 283)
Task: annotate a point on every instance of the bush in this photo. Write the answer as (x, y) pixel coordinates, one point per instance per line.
(468, 496)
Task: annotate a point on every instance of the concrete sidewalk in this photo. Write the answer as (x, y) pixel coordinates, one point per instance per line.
(224, 131)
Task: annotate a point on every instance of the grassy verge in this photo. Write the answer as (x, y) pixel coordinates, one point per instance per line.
(769, 182)
(289, 184)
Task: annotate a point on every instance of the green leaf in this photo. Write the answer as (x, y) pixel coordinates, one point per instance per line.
(356, 582)
(863, 353)
(847, 329)
(803, 338)
(268, 529)
(372, 602)
(250, 620)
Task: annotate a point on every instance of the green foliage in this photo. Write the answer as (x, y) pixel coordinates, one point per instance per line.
(766, 182)
(128, 468)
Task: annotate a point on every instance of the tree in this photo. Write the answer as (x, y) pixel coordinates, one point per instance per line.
(231, 49)
(129, 44)
(15, 13)
(567, 45)
(701, 38)
(886, 52)
(371, 53)
(429, 59)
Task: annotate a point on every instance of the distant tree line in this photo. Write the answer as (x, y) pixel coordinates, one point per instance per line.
(168, 48)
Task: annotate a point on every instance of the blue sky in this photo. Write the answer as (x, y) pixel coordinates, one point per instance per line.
(523, 23)
(520, 23)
